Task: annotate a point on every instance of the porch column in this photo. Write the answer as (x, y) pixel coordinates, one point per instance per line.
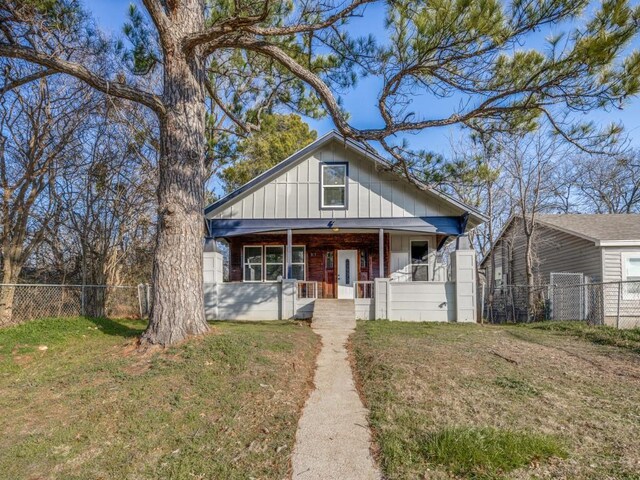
(381, 251)
(463, 268)
(289, 273)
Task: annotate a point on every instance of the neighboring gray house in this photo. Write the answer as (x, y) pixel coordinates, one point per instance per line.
(599, 248)
(333, 222)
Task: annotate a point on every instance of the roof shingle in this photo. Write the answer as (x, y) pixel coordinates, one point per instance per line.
(597, 226)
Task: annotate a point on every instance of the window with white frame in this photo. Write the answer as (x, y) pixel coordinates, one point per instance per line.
(297, 262)
(252, 263)
(631, 274)
(267, 262)
(419, 260)
(334, 185)
(273, 262)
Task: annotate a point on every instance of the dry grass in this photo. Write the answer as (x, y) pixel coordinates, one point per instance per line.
(91, 407)
(464, 401)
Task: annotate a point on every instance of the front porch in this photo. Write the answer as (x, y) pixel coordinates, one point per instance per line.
(395, 275)
(326, 265)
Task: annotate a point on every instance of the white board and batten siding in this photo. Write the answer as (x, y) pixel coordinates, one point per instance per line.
(295, 193)
(451, 301)
(400, 260)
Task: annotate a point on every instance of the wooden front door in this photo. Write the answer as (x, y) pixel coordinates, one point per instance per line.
(347, 271)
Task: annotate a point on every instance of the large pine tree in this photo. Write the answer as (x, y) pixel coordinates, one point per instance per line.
(229, 53)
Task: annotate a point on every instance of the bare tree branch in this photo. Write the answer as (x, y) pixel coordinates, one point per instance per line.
(320, 87)
(247, 128)
(230, 25)
(59, 65)
(10, 85)
(309, 27)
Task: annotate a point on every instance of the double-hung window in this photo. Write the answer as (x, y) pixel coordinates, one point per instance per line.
(333, 185)
(252, 263)
(265, 263)
(419, 260)
(631, 275)
(297, 262)
(273, 262)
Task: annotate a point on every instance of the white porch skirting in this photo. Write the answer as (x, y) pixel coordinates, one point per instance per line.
(255, 301)
(453, 301)
(416, 301)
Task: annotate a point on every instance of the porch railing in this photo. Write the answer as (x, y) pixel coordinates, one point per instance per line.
(307, 289)
(364, 289)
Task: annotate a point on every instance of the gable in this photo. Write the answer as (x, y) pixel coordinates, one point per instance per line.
(294, 192)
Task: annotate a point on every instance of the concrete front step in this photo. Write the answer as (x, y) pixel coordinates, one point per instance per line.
(330, 311)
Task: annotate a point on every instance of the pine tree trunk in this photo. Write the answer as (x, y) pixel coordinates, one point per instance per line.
(178, 300)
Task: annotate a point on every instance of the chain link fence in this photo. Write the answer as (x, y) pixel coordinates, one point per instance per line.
(23, 302)
(600, 303)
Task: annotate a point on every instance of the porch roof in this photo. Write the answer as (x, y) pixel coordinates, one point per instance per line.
(433, 224)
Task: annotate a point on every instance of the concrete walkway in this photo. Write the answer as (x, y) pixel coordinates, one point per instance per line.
(333, 438)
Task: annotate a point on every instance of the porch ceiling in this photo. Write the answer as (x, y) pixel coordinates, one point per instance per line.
(438, 225)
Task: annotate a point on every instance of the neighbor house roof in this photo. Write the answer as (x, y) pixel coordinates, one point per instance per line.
(602, 229)
(475, 216)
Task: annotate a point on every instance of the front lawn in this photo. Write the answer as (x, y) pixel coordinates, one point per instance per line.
(78, 401)
(471, 401)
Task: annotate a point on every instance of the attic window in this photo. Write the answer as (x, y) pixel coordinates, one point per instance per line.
(334, 185)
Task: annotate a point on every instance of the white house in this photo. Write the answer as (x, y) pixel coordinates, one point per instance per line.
(332, 221)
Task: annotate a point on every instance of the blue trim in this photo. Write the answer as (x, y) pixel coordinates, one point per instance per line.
(232, 227)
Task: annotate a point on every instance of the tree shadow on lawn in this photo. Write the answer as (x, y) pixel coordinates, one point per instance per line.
(240, 323)
(127, 328)
(119, 328)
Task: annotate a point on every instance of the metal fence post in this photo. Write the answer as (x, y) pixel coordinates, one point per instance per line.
(148, 297)
(83, 307)
(140, 286)
(482, 304)
(619, 302)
